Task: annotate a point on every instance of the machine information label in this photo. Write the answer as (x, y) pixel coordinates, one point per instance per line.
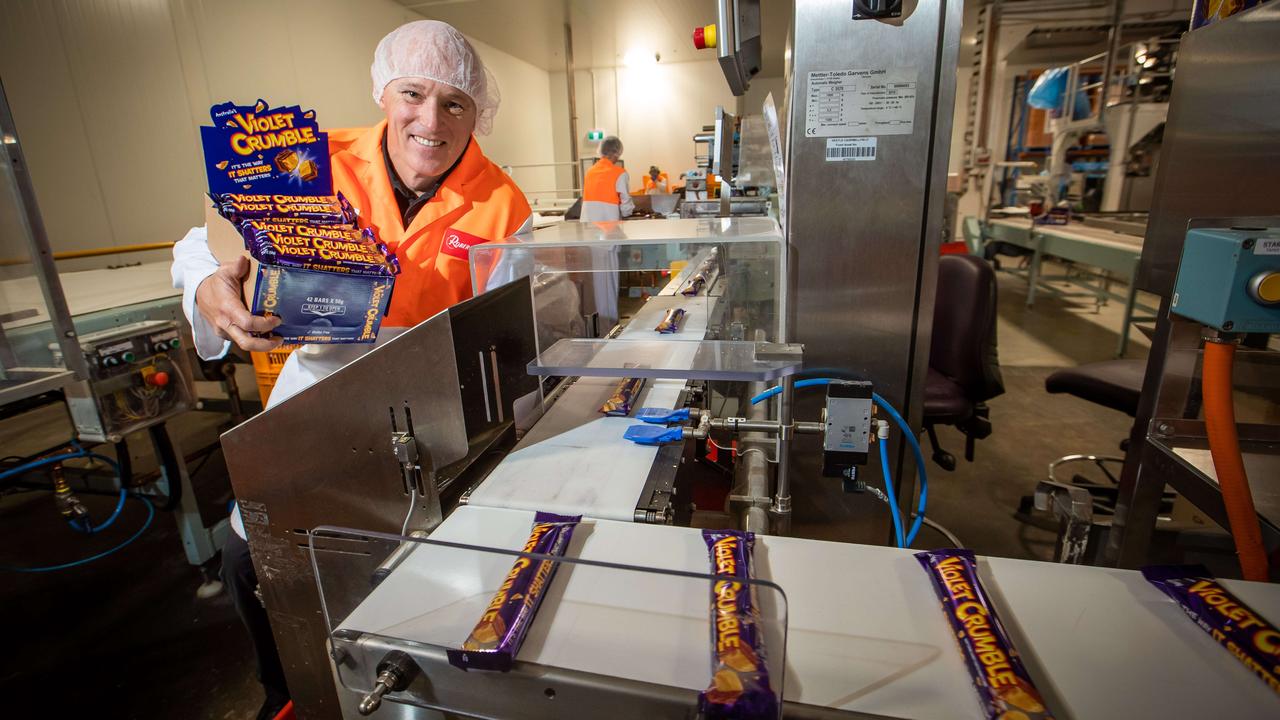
(877, 101)
(1267, 246)
(859, 148)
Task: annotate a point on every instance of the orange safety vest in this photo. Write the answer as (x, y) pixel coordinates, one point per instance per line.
(477, 203)
(647, 183)
(601, 182)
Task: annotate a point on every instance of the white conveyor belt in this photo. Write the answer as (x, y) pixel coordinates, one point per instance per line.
(865, 633)
(88, 291)
(574, 460)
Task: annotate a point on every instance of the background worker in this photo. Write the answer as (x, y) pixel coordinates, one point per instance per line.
(421, 181)
(606, 197)
(606, 189)
(654, 182)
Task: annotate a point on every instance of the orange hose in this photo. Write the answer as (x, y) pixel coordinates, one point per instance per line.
(1224, 445)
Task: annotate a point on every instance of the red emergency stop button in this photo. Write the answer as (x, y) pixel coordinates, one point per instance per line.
(704, 37)
(158, 379)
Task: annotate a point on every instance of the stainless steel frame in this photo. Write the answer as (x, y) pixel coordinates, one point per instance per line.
(325, 456)
(1218, 167)
(863, 236)
(28, 382)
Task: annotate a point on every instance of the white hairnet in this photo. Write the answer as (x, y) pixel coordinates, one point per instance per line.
(436, 51)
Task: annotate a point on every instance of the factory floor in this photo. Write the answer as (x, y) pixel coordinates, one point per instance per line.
(128, 637)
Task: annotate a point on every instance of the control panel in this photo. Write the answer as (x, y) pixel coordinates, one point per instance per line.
(1229, 279)
(139, 375)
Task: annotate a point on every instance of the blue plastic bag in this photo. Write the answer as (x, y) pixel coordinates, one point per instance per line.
(1046, 94)
(1046, 91)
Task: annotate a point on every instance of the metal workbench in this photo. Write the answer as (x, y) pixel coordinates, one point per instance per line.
(1113, 252)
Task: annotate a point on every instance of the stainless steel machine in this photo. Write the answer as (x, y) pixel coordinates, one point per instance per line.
(863, 228)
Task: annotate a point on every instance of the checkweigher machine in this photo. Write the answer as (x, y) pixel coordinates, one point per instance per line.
(369, 582)
(385, 504)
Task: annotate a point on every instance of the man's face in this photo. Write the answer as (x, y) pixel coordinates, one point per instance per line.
(428, 126)
(653, 173)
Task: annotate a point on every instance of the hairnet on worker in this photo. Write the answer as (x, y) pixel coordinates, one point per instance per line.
(434, 50)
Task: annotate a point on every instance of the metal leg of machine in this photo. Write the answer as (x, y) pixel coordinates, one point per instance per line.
(200, 543)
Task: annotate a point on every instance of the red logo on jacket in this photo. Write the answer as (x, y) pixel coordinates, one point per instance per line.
(458, 243)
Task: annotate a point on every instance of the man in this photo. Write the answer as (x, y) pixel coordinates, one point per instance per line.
(606, 189)
(655, 182)
(418, 178)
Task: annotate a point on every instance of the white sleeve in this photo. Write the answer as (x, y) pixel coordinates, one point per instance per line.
(192, 263)
(625, 205)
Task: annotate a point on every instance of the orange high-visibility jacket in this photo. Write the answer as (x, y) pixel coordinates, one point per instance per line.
(601, 182)
(647, 183)
(477, 203)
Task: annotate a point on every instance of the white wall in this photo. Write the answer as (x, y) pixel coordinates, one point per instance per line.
(656, 110)
(108, 97)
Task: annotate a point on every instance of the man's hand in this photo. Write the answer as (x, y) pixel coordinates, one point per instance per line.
(218, 298)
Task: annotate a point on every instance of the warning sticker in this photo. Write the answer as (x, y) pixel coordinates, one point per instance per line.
(841, 149)
(878, 101)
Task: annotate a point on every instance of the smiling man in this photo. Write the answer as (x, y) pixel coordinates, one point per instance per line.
(421, 181)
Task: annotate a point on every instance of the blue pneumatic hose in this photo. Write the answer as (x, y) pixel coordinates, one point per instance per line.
(88, 528)
(888, 491)
(902, 425)
(79, 452)
(151, 513)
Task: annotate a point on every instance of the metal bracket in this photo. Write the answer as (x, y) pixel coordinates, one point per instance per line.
(779, 351)
(417, 472)
(1073, 506)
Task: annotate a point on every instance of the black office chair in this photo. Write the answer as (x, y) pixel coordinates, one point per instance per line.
(1115, 384)
(1078, 502)
(964, 367)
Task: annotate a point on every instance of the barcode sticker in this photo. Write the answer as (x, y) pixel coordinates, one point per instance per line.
(841, 149)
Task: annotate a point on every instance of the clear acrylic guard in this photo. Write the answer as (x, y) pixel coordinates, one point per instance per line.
(636, 639)
(689, 360)
(589, 277)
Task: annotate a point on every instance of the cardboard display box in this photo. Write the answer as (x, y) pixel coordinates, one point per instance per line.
(314, 306)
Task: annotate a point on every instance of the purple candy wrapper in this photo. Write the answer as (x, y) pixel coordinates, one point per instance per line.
(319, 209)
(1244, 633)
(496, 639)
(1005, 690)
(671, 321)
(699, 279)
(694, 285)
(623, 398)
(311, 246)
(739, 687)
